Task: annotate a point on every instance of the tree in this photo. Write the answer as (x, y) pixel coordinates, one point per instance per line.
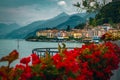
(68, 28)
(107, 13)
(90, 5)
(80, 26)
(110, 13)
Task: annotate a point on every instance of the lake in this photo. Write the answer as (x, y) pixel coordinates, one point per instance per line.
(25, 49)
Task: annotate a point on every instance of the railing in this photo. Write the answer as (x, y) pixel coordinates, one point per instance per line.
(41, 51)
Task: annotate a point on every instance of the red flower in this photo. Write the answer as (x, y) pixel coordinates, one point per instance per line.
(25, 60)
(20, 67)
(69, 78)
(35, 59)
(27, 74)
(100, 74)
(57, 60)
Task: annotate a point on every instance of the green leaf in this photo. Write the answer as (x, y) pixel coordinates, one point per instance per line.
(59, 48)
(64, 46)
(85, 3)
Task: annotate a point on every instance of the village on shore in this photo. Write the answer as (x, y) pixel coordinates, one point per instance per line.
(75, 35)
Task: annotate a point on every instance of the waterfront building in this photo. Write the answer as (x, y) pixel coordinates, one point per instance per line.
(106, 26)
(41, 33)
(47, 33)
(52, 33)
(76, 33)
(64, 34)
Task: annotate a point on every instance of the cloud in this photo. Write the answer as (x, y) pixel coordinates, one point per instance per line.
(19, 3)
(26, 14)
(62, 3)
(33, 10)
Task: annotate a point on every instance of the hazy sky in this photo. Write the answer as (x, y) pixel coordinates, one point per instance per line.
(26, 11)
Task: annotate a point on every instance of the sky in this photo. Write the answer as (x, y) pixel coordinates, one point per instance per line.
(24, 12)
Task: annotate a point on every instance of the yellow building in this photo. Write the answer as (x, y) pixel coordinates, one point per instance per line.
(47, 33)
(76, 33)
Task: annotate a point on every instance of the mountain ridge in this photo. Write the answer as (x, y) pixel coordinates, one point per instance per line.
(72, 22)
(59, 21)
(7, 28)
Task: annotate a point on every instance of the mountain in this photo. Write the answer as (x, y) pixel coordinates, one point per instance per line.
(87, 15)
(50, 23)
(23, 31)
(72, 22)
(76, 19)
(60, 21)
(5, 29)
(61, 15)
(54, 21)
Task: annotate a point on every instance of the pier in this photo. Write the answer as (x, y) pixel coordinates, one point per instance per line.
(41, 51)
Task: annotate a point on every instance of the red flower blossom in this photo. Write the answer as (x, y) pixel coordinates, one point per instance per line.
(100, 74)
(20, 67)
(57, 60)
(27, 74)
(25, 60)
(35, 59)
(69, 78)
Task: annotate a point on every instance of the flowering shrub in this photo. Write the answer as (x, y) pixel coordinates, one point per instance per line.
(110, 36)
(90, 62)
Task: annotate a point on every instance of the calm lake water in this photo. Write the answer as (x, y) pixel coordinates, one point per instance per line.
(25, 49)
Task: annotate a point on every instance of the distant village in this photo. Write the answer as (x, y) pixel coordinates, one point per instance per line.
(86, 34)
